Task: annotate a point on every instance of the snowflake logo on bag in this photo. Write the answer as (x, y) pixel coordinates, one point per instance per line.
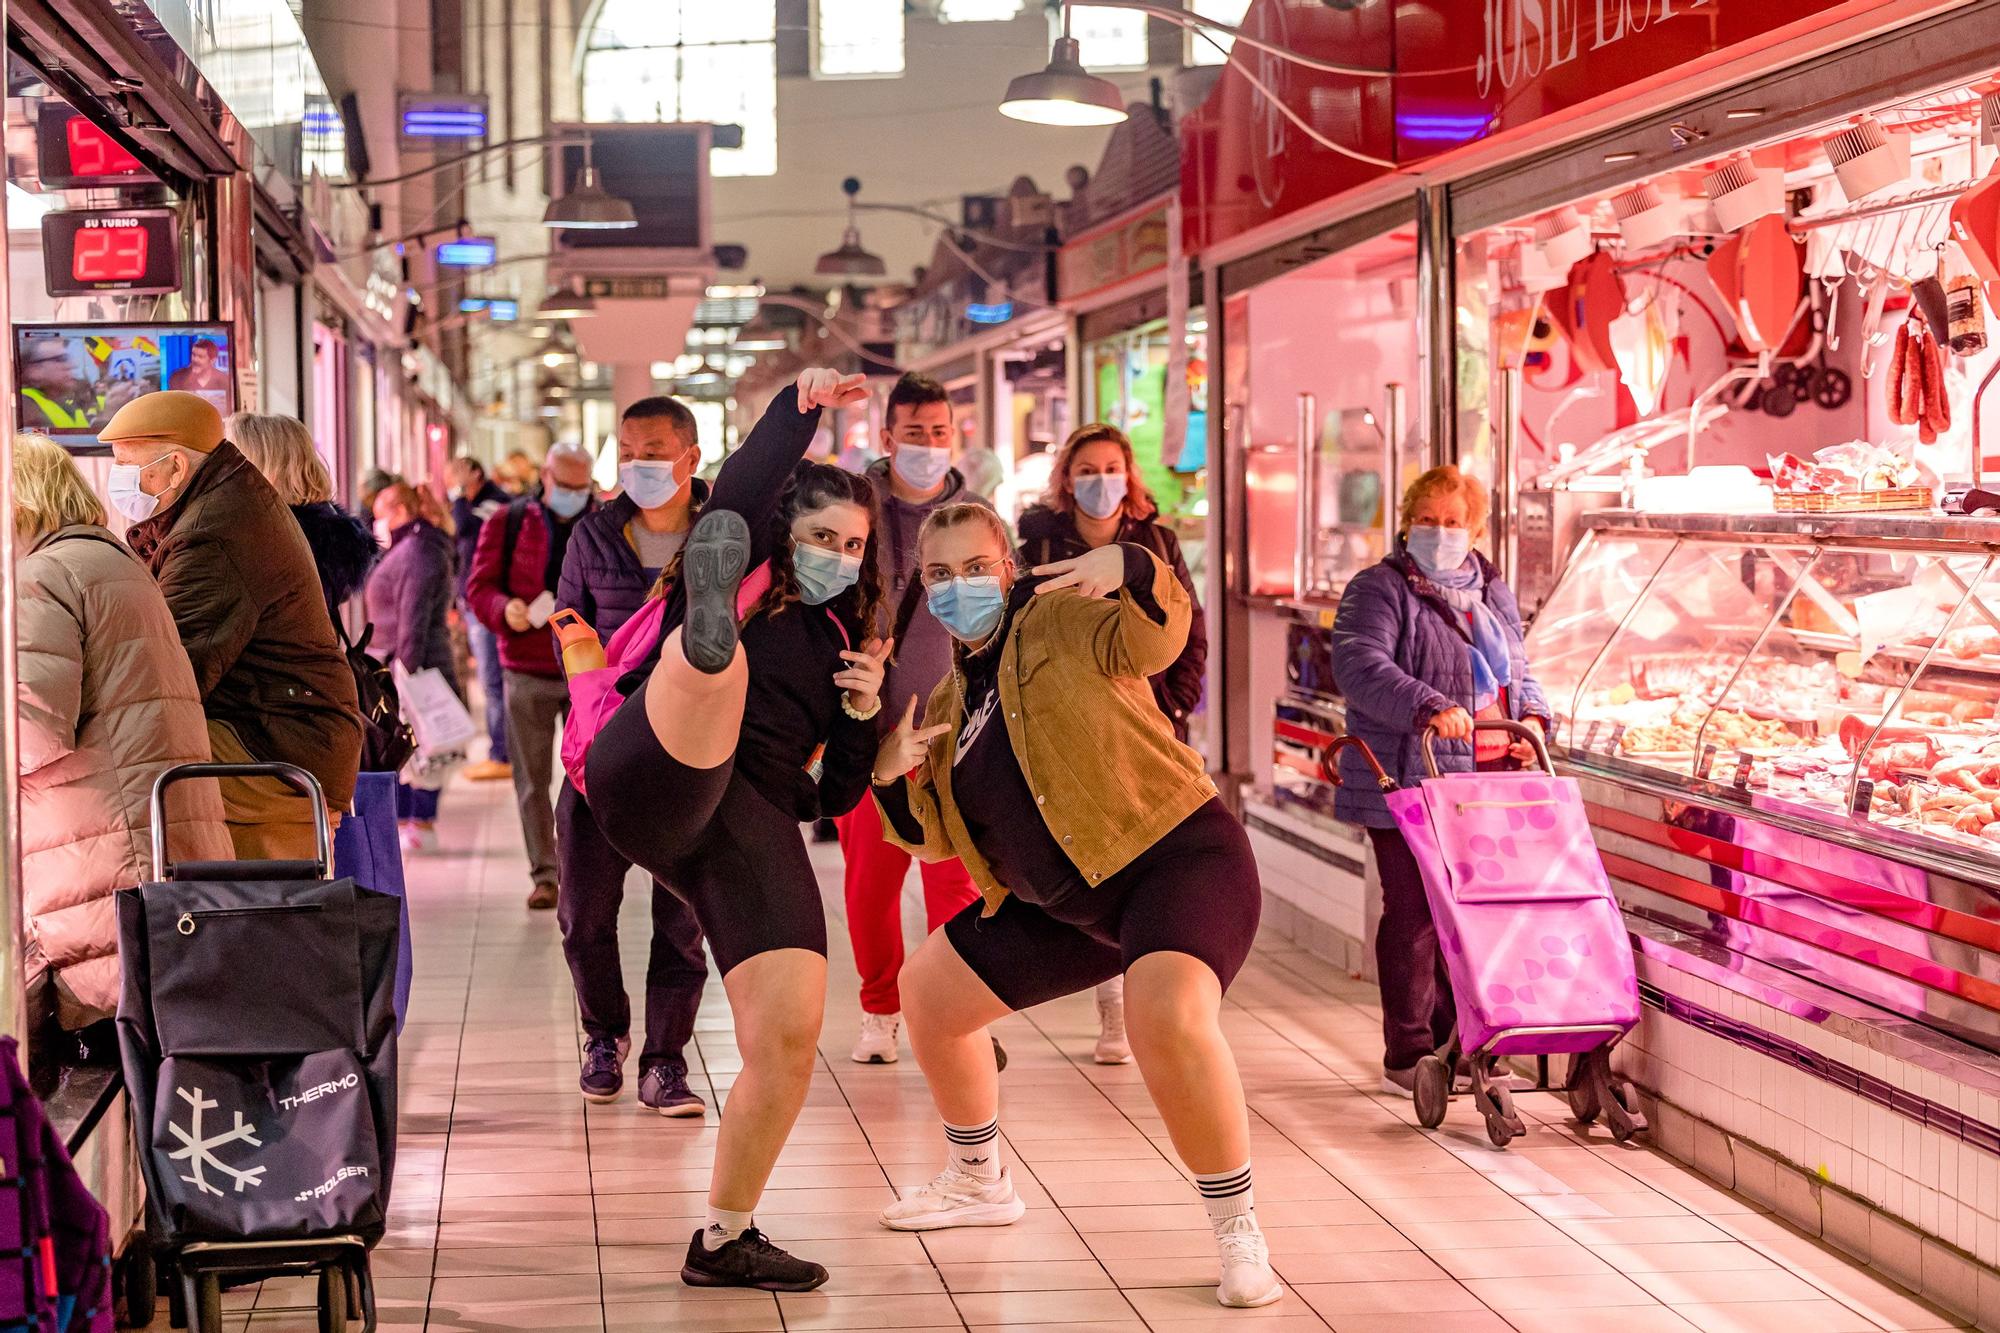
(201, 1151)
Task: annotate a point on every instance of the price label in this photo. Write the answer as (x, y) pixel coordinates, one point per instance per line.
(1742, 771)
(1617, 736)
(1864, 798)
(1706, 764)
(1590, 736)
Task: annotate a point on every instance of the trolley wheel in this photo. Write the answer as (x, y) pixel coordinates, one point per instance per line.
(1583, 1100)
(1502, 1124)
(138, 1283)
(333, 1296)
(1835, 388)
(1433, 1091)
(202, 1294)
(1621, 1115)
(1779, 401)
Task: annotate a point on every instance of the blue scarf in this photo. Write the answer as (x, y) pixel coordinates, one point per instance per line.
(1464, 591)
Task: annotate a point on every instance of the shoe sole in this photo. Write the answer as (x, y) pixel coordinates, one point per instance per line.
(1113, 1059)
(694, 1277)
(1272, 1297)
(1395, 1089)
(713, 563)
(601, 1098)
(686, 1111)
(984, 1215)
(874, 1059)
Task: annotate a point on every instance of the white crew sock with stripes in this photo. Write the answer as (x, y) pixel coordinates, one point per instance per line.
(1227, 1196)
(725, 1226)
(975, 1149)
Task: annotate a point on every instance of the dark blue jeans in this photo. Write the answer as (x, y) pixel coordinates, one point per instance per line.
(486, 654)
(593, 887)
(416, 803)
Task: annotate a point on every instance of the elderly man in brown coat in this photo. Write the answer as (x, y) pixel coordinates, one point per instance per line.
(240, 580)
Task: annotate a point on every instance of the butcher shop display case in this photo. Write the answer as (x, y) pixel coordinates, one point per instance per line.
(1840, 672)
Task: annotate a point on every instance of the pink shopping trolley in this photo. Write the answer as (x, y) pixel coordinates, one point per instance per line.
(1532, 938)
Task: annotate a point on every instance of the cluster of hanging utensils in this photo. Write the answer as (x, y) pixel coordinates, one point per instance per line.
(1921, 251)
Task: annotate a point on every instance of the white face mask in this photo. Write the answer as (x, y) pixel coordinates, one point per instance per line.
(383, 532)
(124, 493)
(920, 466)
(650, 482)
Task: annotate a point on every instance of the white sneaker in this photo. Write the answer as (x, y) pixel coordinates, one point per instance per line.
(1112, 1047)
(1247, 1279)
(957, 1199)
(877, 1042)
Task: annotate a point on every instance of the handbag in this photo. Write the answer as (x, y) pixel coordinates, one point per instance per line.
(386, 739)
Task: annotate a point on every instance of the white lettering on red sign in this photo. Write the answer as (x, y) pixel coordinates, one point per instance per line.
(1525, 39)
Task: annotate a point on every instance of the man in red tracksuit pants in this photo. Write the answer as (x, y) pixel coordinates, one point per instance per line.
(920, 436)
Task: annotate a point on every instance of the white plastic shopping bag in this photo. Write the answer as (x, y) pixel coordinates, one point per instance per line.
(437, 717)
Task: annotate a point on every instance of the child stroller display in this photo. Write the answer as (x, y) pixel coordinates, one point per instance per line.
(257, 1032)
(1531, 936)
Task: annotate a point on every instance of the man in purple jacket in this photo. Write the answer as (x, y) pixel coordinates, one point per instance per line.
(515, 568)
(614, 558)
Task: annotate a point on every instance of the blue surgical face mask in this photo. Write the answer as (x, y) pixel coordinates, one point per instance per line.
(1101, 494)
(564, 502)
(650, 482)
(969, 608)
(823, 575)
(1438, 550)
(920, 466)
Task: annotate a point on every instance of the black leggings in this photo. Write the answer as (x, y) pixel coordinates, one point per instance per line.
(1417, 1008)
(1195, 891)
(710, 837)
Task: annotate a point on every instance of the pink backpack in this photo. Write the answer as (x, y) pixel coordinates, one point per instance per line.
(593, 695)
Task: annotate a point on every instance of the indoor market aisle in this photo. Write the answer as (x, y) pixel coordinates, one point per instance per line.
(517, 1209)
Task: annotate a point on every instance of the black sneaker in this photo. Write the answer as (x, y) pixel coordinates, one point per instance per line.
(713, 563)
(748, 1261)
(603, 1074)
(664, 1088)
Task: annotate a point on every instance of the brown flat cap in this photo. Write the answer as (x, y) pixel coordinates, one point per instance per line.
(170, 416)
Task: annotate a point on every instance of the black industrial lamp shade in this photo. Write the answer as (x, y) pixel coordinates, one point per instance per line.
(1065, 93)
(589, 208)
(850, 260)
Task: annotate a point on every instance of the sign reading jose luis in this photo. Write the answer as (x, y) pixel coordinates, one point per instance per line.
(1463, 72)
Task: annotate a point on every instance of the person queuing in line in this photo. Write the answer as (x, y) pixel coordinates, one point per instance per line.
(913, 481)
(518, 474)
(107, 702)
(615, 559)
(408, 597)
(371, 486)
(721, 748)
(343, 546)
(474, 499)
(1115, 856)
(1096, 497)
(1429, 637)
(515, 569)
(240, 579)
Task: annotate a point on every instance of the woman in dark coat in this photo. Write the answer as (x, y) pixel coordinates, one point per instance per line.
(1095, 497)
(408, 596)
(343, 549)
(1430, 637)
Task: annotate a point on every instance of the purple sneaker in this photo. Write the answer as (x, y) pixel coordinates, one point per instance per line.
(603, 1076)
(665, 1089)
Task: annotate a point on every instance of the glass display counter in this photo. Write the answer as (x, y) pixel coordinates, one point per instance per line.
(1840, 672)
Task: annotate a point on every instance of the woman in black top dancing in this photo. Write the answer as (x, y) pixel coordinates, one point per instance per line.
(729, 738)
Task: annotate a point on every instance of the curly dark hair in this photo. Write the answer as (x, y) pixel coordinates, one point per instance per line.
(812, 487)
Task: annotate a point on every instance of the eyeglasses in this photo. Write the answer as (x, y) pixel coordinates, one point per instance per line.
(937, 576)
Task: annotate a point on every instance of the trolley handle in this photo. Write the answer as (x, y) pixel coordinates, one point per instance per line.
(1532, 735)
(1329, 768)
(300, 781)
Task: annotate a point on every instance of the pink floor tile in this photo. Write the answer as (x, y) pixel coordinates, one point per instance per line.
(1558, 1291)
(1776, 1317)
(1526, 1261)
(1041, 1307)
(1072, 1275)
(1623, 1318)
(1712, 1256)
(1720, 1288)
(1365, 1266)
(1335, 1300)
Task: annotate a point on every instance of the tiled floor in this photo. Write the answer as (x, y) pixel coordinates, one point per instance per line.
(518, 1208)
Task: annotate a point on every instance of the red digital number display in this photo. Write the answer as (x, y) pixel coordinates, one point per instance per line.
(106, 254)
(92, 152)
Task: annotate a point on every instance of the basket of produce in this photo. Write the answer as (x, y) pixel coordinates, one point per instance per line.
(1854, 502)
(1855, 478)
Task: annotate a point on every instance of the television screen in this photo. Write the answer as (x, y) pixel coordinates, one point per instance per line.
(72, 377)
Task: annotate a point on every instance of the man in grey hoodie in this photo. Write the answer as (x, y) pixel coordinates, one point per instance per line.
(920, 437)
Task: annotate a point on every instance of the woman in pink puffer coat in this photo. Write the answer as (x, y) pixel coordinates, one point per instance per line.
(108, 701)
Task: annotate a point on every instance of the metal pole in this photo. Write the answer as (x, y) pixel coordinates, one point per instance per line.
(1437, 314)
(13, 990)
(1505, 427)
